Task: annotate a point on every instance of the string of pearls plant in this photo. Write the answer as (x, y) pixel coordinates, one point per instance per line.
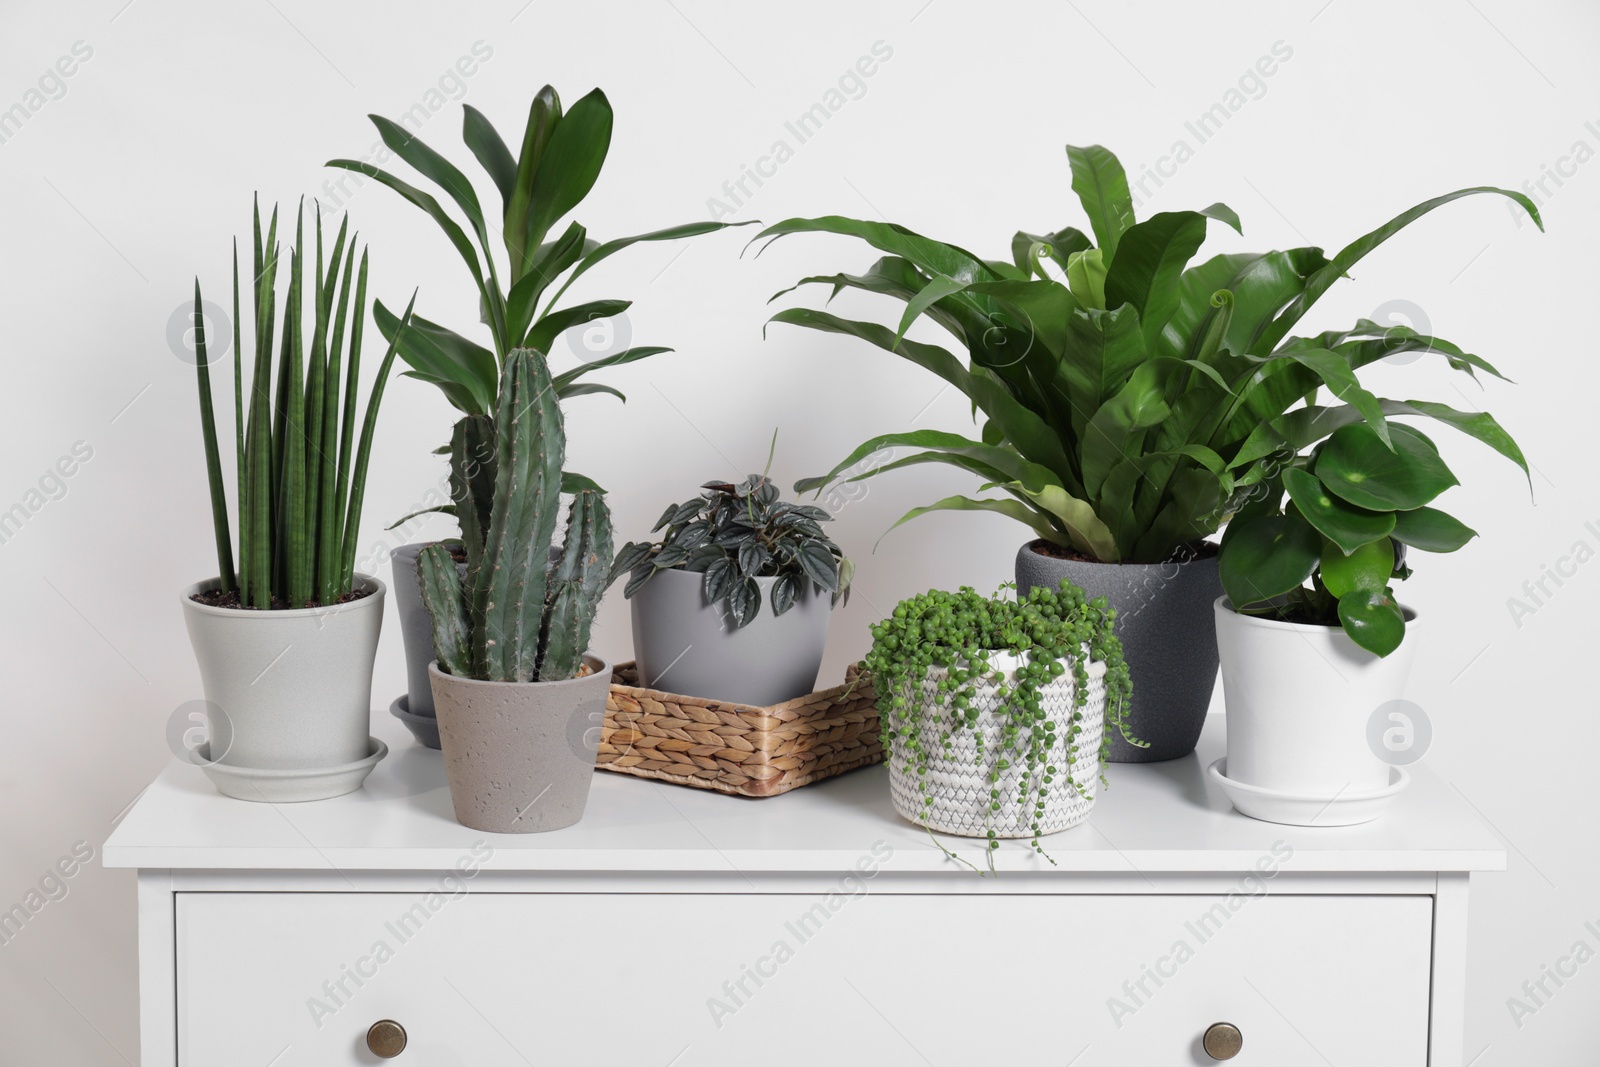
(1052, 631)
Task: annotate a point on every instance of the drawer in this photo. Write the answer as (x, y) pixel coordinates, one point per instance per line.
(884, 978)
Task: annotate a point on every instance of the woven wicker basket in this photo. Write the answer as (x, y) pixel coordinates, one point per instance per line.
(737, 748)
(957, 782)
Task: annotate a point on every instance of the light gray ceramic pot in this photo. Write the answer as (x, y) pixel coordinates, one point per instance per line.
(1168, 629)
(519, 756)
(684, 645)
(288, 692)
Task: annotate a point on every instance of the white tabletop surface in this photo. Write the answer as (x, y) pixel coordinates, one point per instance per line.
(1162, 817)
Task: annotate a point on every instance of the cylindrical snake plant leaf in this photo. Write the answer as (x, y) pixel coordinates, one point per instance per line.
(208, 429)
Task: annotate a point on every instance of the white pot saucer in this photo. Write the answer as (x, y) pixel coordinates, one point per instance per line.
(1300, 809)
(425, 728)
(291, 786)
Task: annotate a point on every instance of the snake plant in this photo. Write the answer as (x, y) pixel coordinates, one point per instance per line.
(1129, 401)
(560, 158)
(302, 470)
(516, 615)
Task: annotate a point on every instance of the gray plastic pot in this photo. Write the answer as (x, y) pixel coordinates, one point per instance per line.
(288, 692)
(684, 645)
(416, 629)
(519, 756)
(1167, 625)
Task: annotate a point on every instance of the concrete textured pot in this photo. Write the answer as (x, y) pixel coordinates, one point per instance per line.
(1299, 698)
(1168, 633)
(288, 691)
(520, 756)
(684, 645)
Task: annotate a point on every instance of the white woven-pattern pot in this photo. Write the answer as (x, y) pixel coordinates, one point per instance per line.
(958, 781)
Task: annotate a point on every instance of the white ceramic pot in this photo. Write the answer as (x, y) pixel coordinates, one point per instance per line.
(958, 783)
(1298, 700)
(289, 692)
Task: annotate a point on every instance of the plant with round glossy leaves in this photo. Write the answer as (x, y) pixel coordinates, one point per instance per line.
(734, 534)
(1054, 631)
(1329, 533)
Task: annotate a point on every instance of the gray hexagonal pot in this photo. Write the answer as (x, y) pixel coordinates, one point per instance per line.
(1168, 630)
(519, 756)
(289, 692)
(684, 645)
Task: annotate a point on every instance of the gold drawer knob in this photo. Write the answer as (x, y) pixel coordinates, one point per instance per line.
(1223, 1041)
(386, 1038)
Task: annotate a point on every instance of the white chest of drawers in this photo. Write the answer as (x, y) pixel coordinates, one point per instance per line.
(675, 927)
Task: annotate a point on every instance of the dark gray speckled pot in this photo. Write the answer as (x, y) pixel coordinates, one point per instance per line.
(1168, 631)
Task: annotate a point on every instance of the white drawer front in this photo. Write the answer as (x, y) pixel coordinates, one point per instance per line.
(295, 979)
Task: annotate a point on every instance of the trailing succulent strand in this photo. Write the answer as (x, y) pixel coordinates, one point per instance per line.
(513, 616)
(957, 633)
(301, 471)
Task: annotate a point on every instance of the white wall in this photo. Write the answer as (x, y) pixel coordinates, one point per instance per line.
(136, 178)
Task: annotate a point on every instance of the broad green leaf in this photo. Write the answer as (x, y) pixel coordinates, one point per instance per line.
(491, 152)
(549, 260)
(544, 115)
(1138, 405)
(435, 168)
(1353, 253)
(1341, 382)
(1103, 349)
(443, 356)
(1431, 530)
(1088, 533)
(999, 458)
(597, 253)
(573, 389)
(1086, 277)
(1149, 262)
(1267, 557)
(1373, 620)
(936, 289)
(929, 255)
(616, 359)
(1261, 285)
(461, 398)
(553, 325)
(570, 164)
(1346, 525)
(1367, 568)
(427, 203)
(1014, 509)
(1356, 466)
(1102, 188)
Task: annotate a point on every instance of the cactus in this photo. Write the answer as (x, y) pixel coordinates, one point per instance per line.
(577, 582)
(515, 617)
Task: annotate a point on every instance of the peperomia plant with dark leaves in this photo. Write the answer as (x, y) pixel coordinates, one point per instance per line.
(734, 534)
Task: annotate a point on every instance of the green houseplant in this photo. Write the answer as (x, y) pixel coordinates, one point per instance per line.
(1127, 400)
(1011, 700)
(733, 602)
(558, 160)
(514, 687)
(1311, 635)
(286, 641)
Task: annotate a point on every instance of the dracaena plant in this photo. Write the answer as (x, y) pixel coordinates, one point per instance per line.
(1327, 535)
(734, 534)
(302, 469)
(560, 158)
(1128, 400)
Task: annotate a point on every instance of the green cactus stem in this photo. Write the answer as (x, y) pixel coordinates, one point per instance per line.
(576, 586)
(443, 594)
